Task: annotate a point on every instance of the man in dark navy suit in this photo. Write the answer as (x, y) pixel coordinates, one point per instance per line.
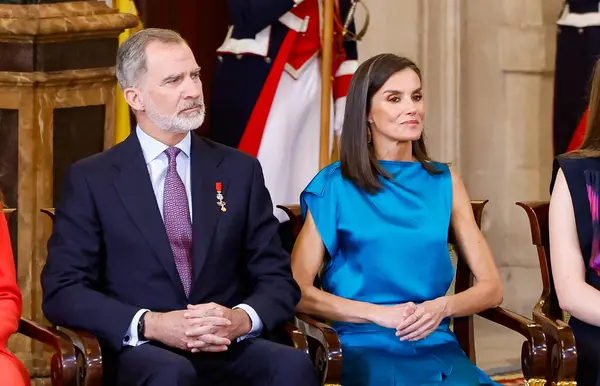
(165, 246)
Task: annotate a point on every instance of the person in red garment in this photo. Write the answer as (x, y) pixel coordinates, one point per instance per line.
(13, 372)
(274, 113)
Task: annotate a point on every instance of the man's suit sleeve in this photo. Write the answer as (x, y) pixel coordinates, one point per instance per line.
(275, 292)
(249, 17)
(72, 274)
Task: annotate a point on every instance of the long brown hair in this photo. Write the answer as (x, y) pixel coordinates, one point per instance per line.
(357, 156)
(591, 142)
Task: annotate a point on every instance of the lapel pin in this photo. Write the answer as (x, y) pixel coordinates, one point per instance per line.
(220, 202)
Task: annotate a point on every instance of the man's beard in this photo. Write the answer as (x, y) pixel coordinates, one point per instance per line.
(178, 123)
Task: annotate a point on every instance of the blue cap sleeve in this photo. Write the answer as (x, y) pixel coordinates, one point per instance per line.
(320, 198)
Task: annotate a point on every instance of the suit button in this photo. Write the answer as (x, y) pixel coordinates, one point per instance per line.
(239, 56)
(267, 59)
(580, 30)
(220, 58)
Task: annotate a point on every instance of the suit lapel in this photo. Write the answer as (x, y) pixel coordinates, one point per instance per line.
(204, 177)
(135, 189)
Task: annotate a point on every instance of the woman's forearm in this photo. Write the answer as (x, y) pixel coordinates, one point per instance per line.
(482, 296)
(582, 302)
(331, 307)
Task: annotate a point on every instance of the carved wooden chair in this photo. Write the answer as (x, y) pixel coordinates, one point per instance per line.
(325, 345)
(562, 366)
(88, 346)
(64, 363)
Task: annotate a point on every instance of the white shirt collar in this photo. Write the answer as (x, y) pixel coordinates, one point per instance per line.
(152, 148)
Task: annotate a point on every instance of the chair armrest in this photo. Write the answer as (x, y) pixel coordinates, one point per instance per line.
(297, 337)
(89, 347)
(563, 357)
(534, 353)
(63, 366)
(328, 353)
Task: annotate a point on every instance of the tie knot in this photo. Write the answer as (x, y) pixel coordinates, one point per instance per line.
(172, 153)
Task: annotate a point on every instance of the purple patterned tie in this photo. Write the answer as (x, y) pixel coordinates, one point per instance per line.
(177, 220)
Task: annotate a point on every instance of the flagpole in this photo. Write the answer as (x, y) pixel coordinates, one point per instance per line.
(326, 77)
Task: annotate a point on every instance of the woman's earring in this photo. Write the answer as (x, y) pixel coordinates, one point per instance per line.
(369, 137)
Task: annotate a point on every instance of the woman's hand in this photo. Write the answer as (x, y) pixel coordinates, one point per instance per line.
(392, 316)
(426, 318)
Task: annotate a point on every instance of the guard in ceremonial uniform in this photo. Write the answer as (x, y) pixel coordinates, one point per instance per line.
(578, 49)
(266, 93)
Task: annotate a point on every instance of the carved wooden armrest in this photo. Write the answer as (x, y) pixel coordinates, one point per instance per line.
(325, 345)
(563, 357)
(63, 366)
(534, 350)
(297, 337)
(89, 347)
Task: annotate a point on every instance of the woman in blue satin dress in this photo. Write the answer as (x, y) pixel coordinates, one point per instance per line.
(381, 215)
